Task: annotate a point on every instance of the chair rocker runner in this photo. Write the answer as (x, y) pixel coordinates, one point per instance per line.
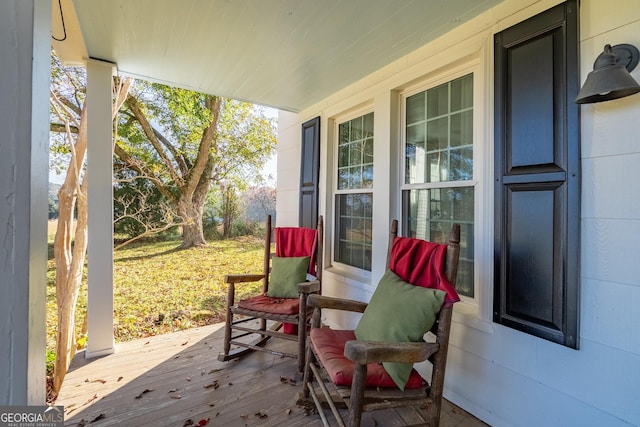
(283, 301)
(371, 367)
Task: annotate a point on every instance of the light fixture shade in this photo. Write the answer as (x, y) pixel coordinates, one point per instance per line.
(610, 78)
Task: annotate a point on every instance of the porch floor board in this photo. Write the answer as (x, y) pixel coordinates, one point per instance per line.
(169, 379)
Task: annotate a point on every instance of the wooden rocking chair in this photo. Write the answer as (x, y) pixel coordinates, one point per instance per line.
(344, 369)
(283, 301)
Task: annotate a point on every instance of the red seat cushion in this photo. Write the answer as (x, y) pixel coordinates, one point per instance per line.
(271, 305)
(329, 345)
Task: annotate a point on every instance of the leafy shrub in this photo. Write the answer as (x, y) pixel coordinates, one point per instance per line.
(210, 226)
(50, 358)
(247, 228)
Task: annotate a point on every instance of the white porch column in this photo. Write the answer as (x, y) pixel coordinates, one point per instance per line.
(100, 209)
(24, 102)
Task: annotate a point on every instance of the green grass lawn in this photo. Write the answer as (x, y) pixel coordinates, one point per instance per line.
(159, 289)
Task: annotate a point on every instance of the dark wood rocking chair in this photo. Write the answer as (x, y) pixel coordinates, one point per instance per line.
(341, 370)
(288, 315)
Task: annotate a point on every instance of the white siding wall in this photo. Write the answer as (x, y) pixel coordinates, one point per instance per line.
(503, 376)
(289, 152)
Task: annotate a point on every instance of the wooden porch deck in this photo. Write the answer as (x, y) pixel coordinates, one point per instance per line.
(176, 380)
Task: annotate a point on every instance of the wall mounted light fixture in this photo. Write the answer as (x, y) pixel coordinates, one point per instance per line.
(610, 78)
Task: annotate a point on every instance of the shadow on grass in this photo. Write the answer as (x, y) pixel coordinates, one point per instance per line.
(150, 255)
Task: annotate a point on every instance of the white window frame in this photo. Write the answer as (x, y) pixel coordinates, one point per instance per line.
(355, 272)
(481, 172)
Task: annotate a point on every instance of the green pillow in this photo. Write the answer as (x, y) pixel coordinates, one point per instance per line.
(399, 312)
(286, 273)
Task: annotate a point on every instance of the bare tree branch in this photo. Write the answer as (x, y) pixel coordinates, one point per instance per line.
(132, 103)
(204, 150)
(62, 128)
(142, 170)
(140, 214)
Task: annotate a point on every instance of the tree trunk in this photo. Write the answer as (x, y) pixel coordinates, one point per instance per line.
(68, 281)
(192, 232)
(190, 208)
(69, 256)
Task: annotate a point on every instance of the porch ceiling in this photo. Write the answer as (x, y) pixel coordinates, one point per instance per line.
(287, 54)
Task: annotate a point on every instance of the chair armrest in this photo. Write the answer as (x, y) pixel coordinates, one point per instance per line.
(241, 278)
(309, 287)
(321, 301)
(365, 352)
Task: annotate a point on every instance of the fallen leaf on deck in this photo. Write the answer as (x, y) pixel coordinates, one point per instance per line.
(177, 397)
(374, 422)
(146, 390)
(244, 417)
(202, 422)
(289, 381)
(213, 384)
(188, 423)
(95, 396)
(173, 390)
(147, 342)
(288, 412)
(82, 423)
(184, 343)
(261, 415)
(98, 418)
(99, 381)
(212, 404)
(213, 371)
(176, 357)
(119, 379)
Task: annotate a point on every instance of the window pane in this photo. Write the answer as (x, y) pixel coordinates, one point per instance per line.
(415, 108)
(429, 215)
(343, 179)
(438, 101)
(355, 153)
(356, 129)
(461, 164)
(368, 151)
(437, 167)
(343, 156)
(462, 93)
(462, 128)
(354, 229)
(367, 125)
(343, 133)
(367, 176)
(434, 133)
(355, 177)
(438, 134)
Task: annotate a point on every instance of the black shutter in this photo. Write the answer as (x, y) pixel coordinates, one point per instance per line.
(537, 176)
(309, 173)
